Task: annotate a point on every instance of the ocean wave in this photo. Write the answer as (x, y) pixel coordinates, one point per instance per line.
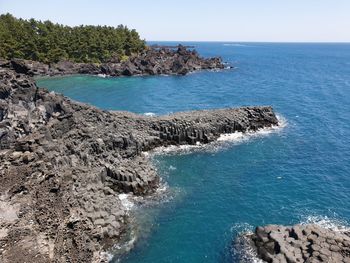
(235, 45)
(126, 201)
(242, 228)
(177, 149)
(151, 114)
(124, 246)
(106, 256)
(139, 220)
(242, 248)
(162, 194)
(128, 245)
(172, 168)
(244, 136)
(334, 223)
(223, 141)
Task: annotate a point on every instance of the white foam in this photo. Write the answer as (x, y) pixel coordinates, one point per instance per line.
(127, 246)
(334, 224)
(242, 247)
(180, 149)
(244, 136)
(102, 75)
(236, 136)
(106, 256)
(149, 114)
(125, 201)
(235, 45)
(161, 195)
(162, 188)
(172, 168)
(242, 228)
(241, 137)
(231, 138)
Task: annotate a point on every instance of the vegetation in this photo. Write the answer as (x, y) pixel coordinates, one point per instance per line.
(48, 42)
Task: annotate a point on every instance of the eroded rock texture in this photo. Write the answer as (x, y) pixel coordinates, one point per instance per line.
(301, 243)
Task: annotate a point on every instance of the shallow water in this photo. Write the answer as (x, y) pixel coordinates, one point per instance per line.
(296, 174)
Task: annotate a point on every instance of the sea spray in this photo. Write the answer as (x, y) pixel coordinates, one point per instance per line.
(144, 210)
(334, 223)
(150, 114)
(141, 211)
(224, 140)
(241, 248)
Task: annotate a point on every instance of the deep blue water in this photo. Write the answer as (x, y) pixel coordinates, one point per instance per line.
(299, 173)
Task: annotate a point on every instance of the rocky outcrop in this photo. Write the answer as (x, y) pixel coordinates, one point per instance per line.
(153, 61)
(301, 243)
(63, 165)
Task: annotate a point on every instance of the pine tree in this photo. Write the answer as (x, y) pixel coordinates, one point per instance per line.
(48, 42)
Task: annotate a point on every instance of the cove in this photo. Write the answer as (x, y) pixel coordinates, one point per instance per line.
(298, 174)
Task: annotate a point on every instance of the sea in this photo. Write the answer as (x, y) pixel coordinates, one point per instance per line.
(212, 195)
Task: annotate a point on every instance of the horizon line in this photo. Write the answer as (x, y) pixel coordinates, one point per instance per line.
(272, 42)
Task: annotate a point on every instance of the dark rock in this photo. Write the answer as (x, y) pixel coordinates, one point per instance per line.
(301, 243)
(65, 162)
(130, 69)
(20, 66)
(89, 68)
(153, 61)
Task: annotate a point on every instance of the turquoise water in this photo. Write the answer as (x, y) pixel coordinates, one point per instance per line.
(298, 174)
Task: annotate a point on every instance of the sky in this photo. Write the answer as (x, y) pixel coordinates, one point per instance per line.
(201, 20)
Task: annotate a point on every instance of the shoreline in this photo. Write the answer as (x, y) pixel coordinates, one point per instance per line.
(40, 77)
(64, 165)
(156, 199)
(151, 61)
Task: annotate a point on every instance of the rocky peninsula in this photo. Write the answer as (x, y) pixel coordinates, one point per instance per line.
(63, 165)
(301, 243)
(152, 61)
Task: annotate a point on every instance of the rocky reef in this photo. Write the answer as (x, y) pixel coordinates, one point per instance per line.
(153, 61)
(301, 243)
(63, 165)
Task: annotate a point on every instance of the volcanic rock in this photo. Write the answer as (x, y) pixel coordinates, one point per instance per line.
(301, 243)
(63, 165)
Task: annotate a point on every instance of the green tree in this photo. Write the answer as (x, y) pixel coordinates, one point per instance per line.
(49, 42)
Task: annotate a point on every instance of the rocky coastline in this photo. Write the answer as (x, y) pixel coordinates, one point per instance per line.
(301, 243)
(63, 165)
(153, 61)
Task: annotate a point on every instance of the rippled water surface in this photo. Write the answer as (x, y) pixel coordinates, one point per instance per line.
(299, 173)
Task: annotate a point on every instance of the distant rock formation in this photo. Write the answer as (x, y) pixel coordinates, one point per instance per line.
(63, 165)
(301, 243)
(153, 61)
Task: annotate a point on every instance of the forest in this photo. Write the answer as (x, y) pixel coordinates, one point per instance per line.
(50, 42)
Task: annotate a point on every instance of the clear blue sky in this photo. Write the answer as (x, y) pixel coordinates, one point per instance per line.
(196, 20)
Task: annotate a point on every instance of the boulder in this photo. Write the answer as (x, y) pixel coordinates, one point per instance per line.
(301, 243)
